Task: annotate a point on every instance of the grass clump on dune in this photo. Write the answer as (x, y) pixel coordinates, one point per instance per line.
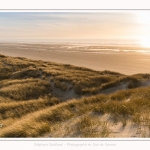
(31, 88)
(60, 85)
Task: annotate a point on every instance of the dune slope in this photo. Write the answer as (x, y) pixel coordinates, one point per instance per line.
(46, 99)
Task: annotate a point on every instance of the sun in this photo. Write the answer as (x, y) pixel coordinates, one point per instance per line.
(145, 42)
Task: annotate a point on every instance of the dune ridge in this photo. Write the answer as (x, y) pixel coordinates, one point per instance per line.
(46, 99)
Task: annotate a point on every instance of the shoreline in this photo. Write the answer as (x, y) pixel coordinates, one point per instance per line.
(125, 63)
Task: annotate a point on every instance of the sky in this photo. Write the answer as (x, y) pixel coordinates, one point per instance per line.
(67, 26)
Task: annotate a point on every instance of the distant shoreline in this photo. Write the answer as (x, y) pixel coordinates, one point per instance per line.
(127, 63)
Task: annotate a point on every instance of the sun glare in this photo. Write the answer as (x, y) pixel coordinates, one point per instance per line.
(143, 17)
(145, 42)
(143, 20)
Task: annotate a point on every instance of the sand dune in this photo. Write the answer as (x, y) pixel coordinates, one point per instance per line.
(44, 99)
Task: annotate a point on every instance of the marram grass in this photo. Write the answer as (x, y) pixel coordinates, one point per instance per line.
(45, 99)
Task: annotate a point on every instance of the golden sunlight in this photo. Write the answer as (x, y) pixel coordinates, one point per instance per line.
(143, 20)
(145, 42)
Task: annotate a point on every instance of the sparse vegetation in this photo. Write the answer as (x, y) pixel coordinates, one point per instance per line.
(60, 85)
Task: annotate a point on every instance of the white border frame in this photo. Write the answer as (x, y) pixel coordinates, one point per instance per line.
(74, 4)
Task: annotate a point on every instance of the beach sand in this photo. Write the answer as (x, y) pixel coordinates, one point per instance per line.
(125, 62)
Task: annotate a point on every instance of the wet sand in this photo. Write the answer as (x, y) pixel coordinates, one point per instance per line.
(127, 63)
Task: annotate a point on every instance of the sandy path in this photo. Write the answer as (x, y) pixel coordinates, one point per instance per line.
(126, 63)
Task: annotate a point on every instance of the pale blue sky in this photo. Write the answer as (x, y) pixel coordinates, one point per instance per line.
(65, 25)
